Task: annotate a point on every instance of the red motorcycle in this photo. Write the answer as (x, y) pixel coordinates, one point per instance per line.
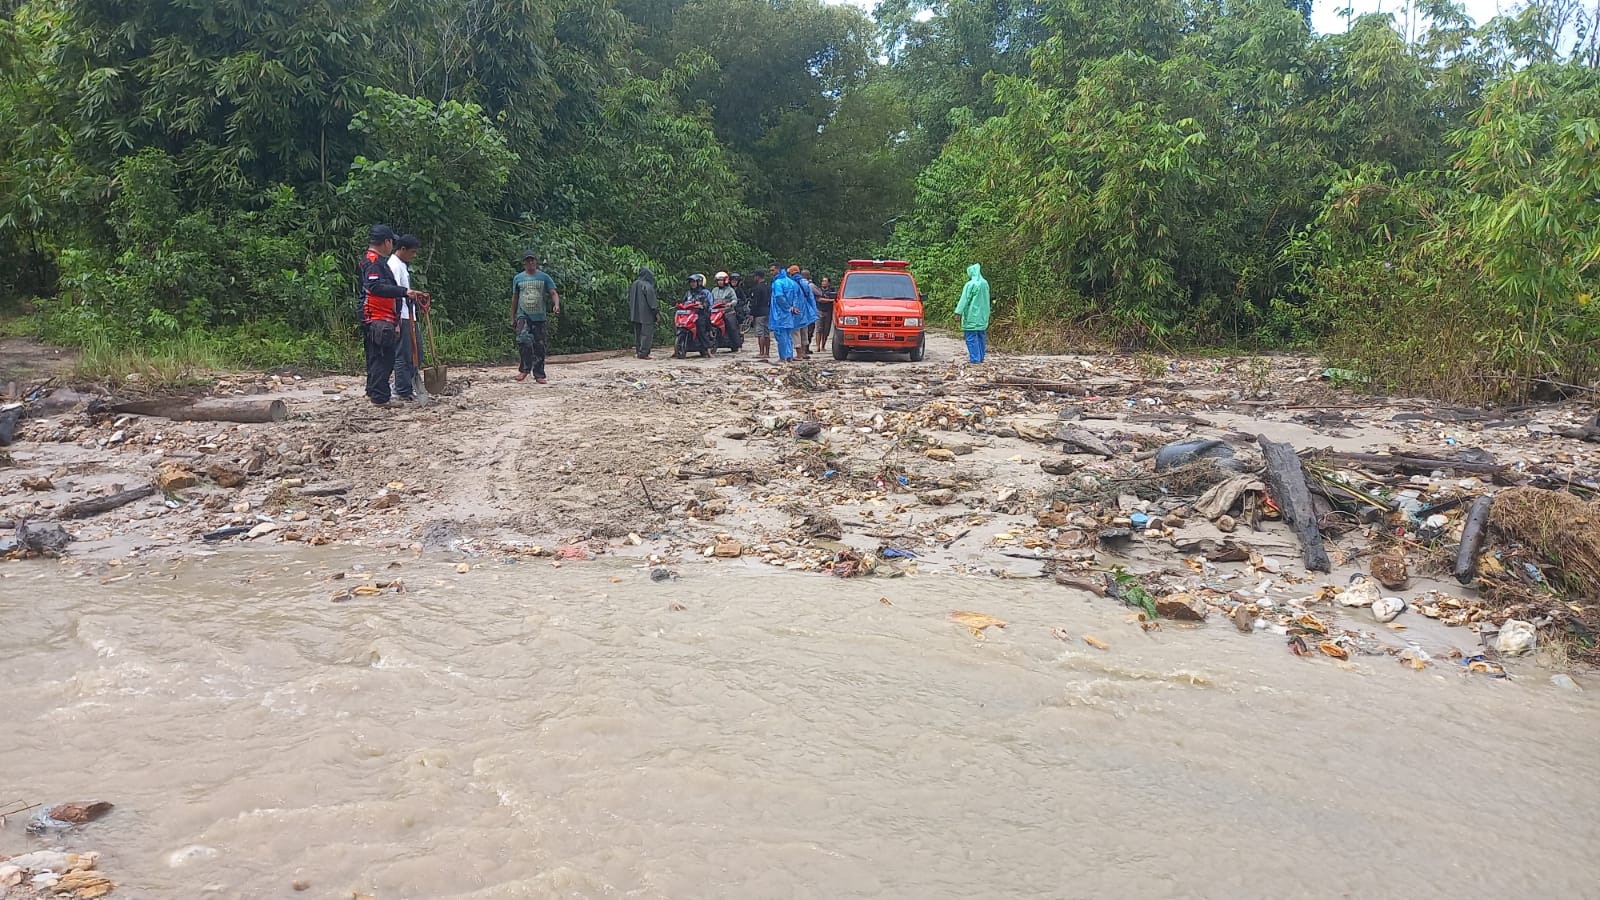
(690, 336)
(723, 335)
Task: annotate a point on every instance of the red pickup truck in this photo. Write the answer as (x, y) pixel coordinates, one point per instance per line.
(879, 308)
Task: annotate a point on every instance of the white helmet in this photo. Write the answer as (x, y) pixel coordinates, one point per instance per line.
(722, 276)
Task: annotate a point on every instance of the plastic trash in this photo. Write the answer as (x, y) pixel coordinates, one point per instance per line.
(1362, 591)
(1516, 638)
(1176, 454)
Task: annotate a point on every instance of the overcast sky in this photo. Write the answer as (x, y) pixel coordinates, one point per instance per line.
(1328, 15)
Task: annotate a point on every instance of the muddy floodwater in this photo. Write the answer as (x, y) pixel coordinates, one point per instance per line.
(528, 731)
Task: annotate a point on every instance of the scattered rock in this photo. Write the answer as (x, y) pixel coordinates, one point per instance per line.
(79, 812)
(807, 430)
(941, 497)
(1226, 524)
(1058, 466)
(1386, 609)
(176, 478)
(940, 454)
(1081, 440)
(325, 489)
(42, 861)
(1390, 569)
(83, 885)
(10, 417)
(1242, 619)
(736, 435)
(385, 500)
(45, 540)
(265, 528)
(226, 475)
(976, 622)
(41, 483)
(728, 550)
(1181, 608)
(1173, 455)
(1115, 536)
(822, 525)
(1564, 682)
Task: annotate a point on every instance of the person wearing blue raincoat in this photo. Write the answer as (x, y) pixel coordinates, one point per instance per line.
(786, 313)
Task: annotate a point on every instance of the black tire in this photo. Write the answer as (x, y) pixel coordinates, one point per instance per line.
(681, 347)
(840, 351)
(921, 351)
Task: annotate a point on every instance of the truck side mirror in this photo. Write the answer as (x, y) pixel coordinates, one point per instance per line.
(922, 297)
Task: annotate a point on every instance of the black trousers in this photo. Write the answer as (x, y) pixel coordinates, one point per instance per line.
(530, 347)
(380, 360)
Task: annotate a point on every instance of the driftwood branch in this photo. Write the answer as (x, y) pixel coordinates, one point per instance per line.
(1473, 532)
(1415, 463)
(86, 508)
(1287, 480)
(1038, 384)
(685, 475)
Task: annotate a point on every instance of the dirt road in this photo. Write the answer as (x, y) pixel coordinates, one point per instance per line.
(912, 466)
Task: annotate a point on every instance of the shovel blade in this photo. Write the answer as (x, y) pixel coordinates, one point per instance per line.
(434, 378)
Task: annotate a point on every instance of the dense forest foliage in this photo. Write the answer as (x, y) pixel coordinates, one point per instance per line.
(1418, 196)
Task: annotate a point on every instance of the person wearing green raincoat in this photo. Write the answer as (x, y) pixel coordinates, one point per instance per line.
(974, 312)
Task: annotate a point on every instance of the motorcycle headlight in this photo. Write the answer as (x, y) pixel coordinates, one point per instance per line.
(851, 320)
(912, 321)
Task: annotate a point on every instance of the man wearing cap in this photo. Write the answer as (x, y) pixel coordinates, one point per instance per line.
(533, 298)
(380, 311)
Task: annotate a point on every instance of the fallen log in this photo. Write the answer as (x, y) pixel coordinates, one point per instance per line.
(86, 508)
(1473, 531)
(248, 410)
(1415, 463)
(1287, 481)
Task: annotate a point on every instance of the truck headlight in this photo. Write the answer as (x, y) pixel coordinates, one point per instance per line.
(851, 320)
(913, 321)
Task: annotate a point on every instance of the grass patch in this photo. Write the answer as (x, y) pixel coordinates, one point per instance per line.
(183, 361)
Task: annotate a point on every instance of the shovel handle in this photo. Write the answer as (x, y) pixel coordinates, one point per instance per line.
(433, 343)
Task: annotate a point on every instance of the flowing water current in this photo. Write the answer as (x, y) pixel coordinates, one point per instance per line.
(526, 731)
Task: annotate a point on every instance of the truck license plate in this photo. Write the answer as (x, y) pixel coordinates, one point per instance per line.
(878, 336)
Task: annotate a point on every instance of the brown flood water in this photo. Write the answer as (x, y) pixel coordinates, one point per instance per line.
(523, 731)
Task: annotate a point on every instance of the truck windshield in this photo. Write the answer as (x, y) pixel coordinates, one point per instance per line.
(877, 286)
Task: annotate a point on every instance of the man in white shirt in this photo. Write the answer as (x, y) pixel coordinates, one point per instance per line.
(408, 355)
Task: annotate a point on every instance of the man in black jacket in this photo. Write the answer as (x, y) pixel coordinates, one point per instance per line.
(380, 311)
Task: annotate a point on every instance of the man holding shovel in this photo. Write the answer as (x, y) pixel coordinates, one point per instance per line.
(408, 356)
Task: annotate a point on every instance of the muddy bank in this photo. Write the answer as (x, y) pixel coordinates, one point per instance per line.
(1026, 467)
